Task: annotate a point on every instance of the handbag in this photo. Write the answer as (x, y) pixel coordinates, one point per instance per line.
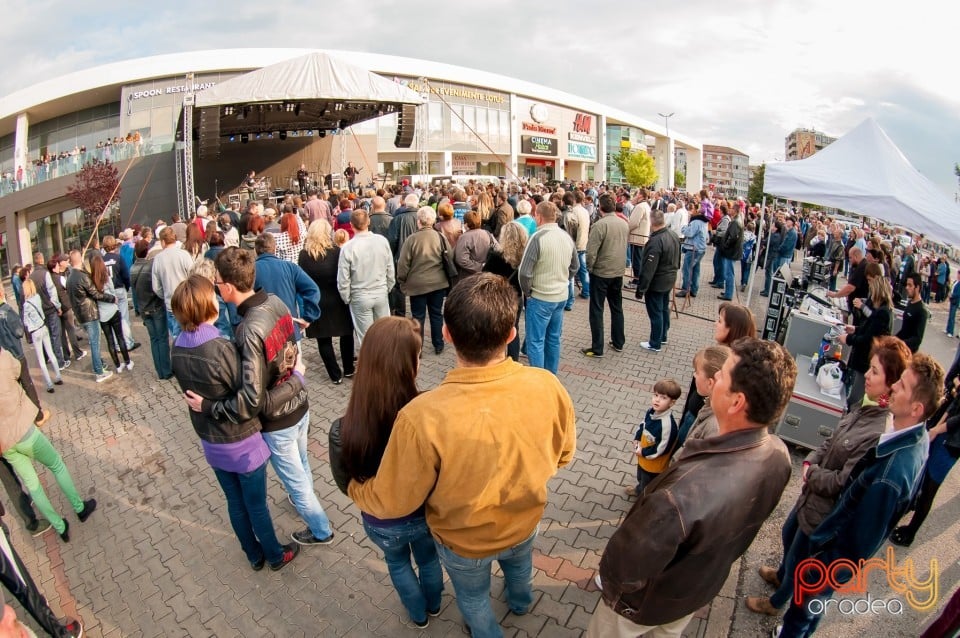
(449, 266)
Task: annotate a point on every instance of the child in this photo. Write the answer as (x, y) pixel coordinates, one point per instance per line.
(746, 258)
(706, 364)
(656, 437)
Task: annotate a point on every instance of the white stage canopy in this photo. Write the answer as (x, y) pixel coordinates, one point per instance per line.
(316, 76)
(864, 172)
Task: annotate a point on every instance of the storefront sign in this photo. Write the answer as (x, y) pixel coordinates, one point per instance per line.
(537, 145)
(578, 150)
(439, 88)
(581, 137)
(464, 163)
(582, 123)
(539, 128)
(538, 162)
(179, 88)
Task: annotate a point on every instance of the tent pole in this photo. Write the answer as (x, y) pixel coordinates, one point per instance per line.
(760, 230)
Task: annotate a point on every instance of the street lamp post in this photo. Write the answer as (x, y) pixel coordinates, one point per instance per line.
(666, 121)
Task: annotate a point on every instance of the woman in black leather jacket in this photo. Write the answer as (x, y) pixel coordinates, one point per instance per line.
(386, 380)
(877, 321)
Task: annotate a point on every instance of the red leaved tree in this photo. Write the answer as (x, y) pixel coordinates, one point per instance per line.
(95, 187)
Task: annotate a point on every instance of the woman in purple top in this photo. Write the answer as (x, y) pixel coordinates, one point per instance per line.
(386, 380)
(209, 365)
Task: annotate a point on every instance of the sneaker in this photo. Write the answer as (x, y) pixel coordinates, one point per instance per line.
(258, 565)
(103, 377)
(50, 389)
(615, 348)
(65, 534)
(39, 527)
(438, 350)
(290, 500)
(46, 417)
(337, 381)
(83, 353)
(66, 364)
(88, 508)
(306, 537)
(290, 551)
(434, 613)
(597, 581)
(74, 628)
(588, 352)
(681, 294)
(129, 365)
(421, 624)
(630, 286)
(136, 344)
(664, 341)
(120, 368)
(349, 375)
(58, 382)
(646, 346)
(630, 491)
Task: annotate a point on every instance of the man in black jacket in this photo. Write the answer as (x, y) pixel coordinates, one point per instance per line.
(403, 224)
(84, 297)
(730, 246)
(915, 315)
(43, 280)
(658, 274)
(272, 387)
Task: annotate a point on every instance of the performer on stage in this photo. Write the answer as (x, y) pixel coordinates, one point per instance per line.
(302, 178)
(351, 172)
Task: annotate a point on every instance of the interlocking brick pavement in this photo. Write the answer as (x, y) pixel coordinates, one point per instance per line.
(158, 558)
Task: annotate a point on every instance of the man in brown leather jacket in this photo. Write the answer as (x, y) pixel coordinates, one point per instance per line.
(674, 550)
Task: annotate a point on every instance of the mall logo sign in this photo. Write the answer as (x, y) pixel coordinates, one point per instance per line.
(582, 123)
(812, 577)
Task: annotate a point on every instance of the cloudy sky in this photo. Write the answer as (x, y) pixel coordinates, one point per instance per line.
(739, 73)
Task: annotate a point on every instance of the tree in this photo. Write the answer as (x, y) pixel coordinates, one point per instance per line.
(956, 171)
(755, 191)
(638, 168)
(679, 179)
(93, 187)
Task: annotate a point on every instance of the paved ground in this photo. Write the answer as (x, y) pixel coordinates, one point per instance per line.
(159, 559)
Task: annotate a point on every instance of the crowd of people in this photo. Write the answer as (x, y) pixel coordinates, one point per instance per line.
(228, 296)
(53, 163)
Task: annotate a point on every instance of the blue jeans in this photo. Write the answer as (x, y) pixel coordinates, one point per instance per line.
(584, 278)
(951, 318)
(471, 582)
(771, 271)
(796, 547)
(658, 309)
(543, 327)
(249, 516)
(745, 272)
(430, 303)
(173, 326)
(729, 278)
(93, 339)
(717, 268)
(288, 456)
(156, 325)
(419, 595)
(691, 270)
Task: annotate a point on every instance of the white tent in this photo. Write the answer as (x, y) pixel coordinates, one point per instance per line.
(865, 173)
(315, 76)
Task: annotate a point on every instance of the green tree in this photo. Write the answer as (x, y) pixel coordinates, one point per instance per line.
(956, 171)
(755, 191)
(638, 169)
(679, 179)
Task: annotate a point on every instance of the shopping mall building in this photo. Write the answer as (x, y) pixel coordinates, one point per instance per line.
(471, 122)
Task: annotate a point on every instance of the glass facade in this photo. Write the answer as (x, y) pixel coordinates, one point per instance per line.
(69, 230)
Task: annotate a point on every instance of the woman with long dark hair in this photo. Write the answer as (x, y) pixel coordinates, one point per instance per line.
(109, 311)
(733, 321)
(386, 380)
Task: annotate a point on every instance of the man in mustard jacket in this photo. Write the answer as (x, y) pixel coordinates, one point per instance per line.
(478, 451)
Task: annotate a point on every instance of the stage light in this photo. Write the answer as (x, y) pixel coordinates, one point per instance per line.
(258, 136)
(338, 106)
(228, 110)
(244, 138)
(233, 138)
(270, 135)
(322, 133)
(310, 133)
(289, 107)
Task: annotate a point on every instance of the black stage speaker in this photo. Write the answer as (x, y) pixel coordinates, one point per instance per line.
(406, 126)
(210, 133)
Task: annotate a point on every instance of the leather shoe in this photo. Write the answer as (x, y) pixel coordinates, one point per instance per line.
(761, 605)
(901, 537)
(722, 298)
(769, 574)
